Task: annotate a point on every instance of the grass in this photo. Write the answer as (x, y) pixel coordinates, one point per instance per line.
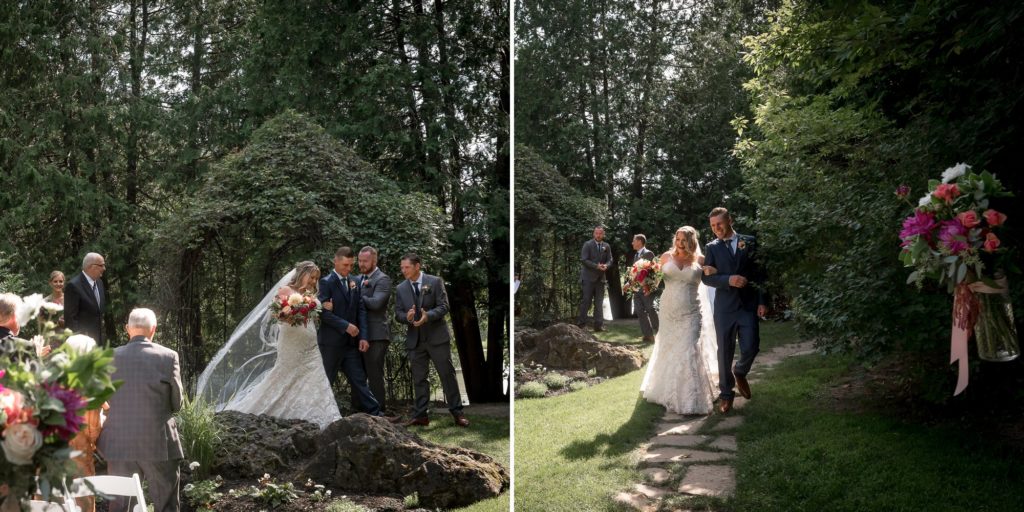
(556, 380)
(574, 451)
(799, 454)
(199, 432)
(533, 389)
(485, 434)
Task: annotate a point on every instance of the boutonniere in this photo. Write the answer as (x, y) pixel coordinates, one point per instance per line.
(351, 285)
(742, 244)
(426, 288)
(366, 283)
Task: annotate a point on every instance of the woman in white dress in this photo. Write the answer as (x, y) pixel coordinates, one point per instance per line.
(682, 372)
(296, 385)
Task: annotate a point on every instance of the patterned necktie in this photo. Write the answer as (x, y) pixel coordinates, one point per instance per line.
(96, 293)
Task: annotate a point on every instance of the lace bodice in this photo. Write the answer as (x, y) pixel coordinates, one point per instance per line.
(680, 296)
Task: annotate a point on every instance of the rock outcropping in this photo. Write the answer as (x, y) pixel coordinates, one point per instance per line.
(358, 453)
(566, 346)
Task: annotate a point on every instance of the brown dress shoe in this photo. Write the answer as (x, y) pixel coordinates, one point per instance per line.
(726, 405)
(743, 386)
(393, 419)
(460, 421)
(423, 422)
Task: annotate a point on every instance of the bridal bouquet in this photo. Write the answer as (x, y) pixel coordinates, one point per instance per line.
(643, 277)
(42, 401)
(296, 309)
(952, 237)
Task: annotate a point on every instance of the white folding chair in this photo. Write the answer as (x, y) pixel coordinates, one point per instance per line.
(111, 486)
(46, 506)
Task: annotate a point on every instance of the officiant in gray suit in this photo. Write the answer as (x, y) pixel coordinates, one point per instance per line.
(421, 303)
(643, 303)
(596, 257)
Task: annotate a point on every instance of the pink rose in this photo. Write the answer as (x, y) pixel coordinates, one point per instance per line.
(994, 218)
(991, 242)
(969, 219)
(947, 192)
(10, 403)
(21, 442)
(286, 310)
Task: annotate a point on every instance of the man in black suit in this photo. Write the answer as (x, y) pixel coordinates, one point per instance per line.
(342, 333)
(85, 299)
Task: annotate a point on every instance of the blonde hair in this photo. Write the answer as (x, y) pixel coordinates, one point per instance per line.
(691, 242)
(55, 273)
(303, 269)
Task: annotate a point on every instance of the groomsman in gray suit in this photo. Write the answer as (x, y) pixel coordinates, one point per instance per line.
(140, 434)
(596, 257)
(643, 304)
(421, 303)
(376, 290)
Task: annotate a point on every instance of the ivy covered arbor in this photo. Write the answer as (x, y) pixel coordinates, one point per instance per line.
(293, 193)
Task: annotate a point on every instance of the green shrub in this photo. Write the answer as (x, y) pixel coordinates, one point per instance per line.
(200, 434)
(556, 380)
(203, 494)
(533, 389)
(578, 385)
(346, 506)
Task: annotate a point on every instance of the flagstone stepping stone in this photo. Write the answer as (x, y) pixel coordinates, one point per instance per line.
(682, 440)
(634, 501)
(724, 443)
(739, 402)
(729, 423)
(653, 493)
(681, 427)
(664, 456)
(657, 476)
(709, 481)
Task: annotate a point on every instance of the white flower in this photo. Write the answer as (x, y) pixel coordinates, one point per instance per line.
(925, 201)
(52, 307)
(193, 465)
(80, 343)
(21, 441)
(29, 308)
(294, 299)
(188, 487)
(954, 172)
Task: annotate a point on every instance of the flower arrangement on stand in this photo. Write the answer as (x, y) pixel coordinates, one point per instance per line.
(42, 402)
(643, 277)
(952, 237)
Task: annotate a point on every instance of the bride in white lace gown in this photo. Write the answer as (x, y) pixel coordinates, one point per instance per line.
(683, 369)
(296, 386)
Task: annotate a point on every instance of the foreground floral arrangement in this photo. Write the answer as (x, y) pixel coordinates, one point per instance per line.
(952, 238)
(42, 402)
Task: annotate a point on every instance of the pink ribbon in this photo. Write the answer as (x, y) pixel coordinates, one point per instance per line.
(964, 317)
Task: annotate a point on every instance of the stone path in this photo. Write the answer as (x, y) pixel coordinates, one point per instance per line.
(693, 455)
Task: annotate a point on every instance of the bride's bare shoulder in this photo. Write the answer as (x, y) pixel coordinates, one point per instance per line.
(665, 256)
(285, 291)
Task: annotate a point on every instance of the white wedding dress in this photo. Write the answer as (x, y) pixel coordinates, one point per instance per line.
(683, 371)
(297, 386)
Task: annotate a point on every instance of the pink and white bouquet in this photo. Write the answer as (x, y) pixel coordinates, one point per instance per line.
(952, 236)
(296, 309)
(643, 277)
(42, 403)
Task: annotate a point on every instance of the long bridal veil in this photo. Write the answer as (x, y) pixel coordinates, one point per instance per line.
(248, 355)
(708, 338)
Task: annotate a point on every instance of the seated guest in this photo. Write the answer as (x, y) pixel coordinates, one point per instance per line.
(85, 440)
(140, 434)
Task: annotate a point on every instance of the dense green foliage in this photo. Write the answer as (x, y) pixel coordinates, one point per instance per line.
(120, 118)
(851, 101)
(632, 103)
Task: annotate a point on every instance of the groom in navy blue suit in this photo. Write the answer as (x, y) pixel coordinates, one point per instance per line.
(739, 301)
(342, 333)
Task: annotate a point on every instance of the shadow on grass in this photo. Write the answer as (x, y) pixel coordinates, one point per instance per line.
(624, 440)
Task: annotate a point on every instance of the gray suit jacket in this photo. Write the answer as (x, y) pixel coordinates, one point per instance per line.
(140, 425)
(594, 253)
(376, 294)
(433, 300)
(645, 254)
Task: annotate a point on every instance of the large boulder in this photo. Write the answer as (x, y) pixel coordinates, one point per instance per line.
(569, 347)
(360, 454)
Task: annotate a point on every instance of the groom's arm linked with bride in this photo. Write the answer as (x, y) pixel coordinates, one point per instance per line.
(739, 302)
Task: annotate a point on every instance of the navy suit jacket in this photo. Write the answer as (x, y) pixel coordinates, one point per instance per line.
(348, 309)
(727, 298)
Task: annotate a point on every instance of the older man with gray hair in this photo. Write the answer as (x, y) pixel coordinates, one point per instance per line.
(140, 434)
(9, 305)
(85, 299)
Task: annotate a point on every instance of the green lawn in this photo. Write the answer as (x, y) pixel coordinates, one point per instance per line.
(486, 434)
(798, 452)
